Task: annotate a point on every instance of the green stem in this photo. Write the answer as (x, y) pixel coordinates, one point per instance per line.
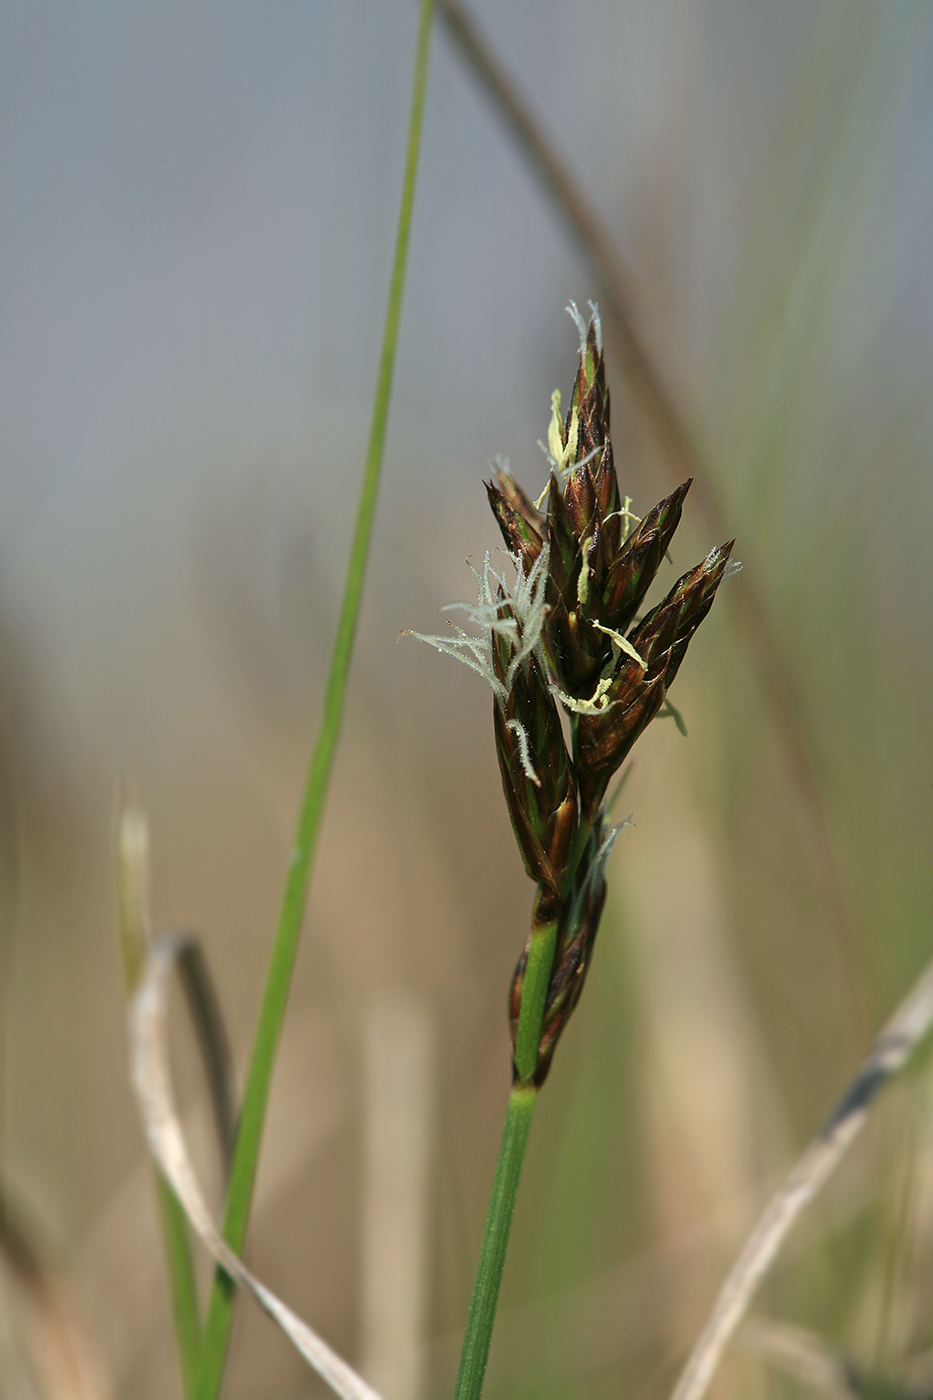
(482, 1315)
(534, 995)
(537, 978)
(576, 852)
(180, 1263)
(272, 1013)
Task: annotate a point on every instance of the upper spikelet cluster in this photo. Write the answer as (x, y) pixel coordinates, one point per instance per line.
(566, 634)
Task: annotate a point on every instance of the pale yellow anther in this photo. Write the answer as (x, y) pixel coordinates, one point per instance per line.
(597, 702)
(622, 643)
(563, 453)
(555, 432)
(629, 519)
(583, 582)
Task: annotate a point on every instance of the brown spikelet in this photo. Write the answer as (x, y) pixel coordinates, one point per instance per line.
(567, 636)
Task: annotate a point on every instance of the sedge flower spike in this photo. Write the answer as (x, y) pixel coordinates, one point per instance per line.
(565, 634)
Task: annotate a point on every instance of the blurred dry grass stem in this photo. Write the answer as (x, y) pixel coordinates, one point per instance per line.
(45, 1353)
(134, 926)
(399, 1129)
(894, 1046)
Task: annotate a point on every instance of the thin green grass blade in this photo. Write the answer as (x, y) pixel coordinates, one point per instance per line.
(272, 1012)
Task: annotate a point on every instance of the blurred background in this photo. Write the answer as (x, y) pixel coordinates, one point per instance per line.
(198, 211)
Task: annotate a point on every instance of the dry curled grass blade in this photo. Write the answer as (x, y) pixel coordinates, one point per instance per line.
(207, 1019)
(134, 932)
(893, 1047)
(155, 1099)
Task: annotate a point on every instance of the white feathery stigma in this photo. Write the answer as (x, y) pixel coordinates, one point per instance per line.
(525, 610)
